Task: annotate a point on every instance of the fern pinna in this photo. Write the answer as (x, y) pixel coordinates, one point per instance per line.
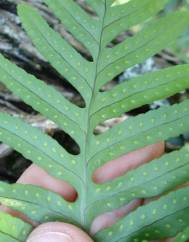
(162, 218)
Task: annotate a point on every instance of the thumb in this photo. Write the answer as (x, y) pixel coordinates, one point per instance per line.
(58, 232)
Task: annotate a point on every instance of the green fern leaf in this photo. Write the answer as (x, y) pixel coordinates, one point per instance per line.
(144, 129)
(57, 51)
(183, 236)
(142, 90)
(38, 204)
(81, 25)
(7, 238)
(40, 148)
(150, 180)
(24, 85)
(138, 48)
(153, 221)
(13, 229)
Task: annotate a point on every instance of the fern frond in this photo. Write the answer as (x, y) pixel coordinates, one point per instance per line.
(63, 57)
(44, 99)
(138, 48)
(97, 6)
(81, 25)
(183, 236)
(149, 180)
(140, 91)
(7, 238)
(13, 229)
(38, 204)
(40, 148)
(153, 221)
(122, 17)
(137, 132)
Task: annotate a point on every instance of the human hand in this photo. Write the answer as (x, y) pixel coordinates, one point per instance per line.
(62, 232)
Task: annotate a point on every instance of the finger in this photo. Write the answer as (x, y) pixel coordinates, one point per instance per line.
(119, 167)
(17, 215)
(108, 219)
(36, 176)
(58, 232)
(127, 162)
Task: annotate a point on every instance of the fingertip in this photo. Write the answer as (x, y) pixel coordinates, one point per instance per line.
(58, 232)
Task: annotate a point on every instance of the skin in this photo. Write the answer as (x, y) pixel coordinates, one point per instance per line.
(36, 176)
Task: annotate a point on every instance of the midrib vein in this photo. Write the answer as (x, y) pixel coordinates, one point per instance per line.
(84, 194)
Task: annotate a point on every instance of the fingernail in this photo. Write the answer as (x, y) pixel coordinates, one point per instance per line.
(51, 237)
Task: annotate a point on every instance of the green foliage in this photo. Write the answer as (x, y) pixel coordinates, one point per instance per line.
(183, 236)
(157, 220)
(13, 229)
(180, 48)
(162, 218)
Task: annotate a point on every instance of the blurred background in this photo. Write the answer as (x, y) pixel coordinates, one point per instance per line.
(17, 47)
